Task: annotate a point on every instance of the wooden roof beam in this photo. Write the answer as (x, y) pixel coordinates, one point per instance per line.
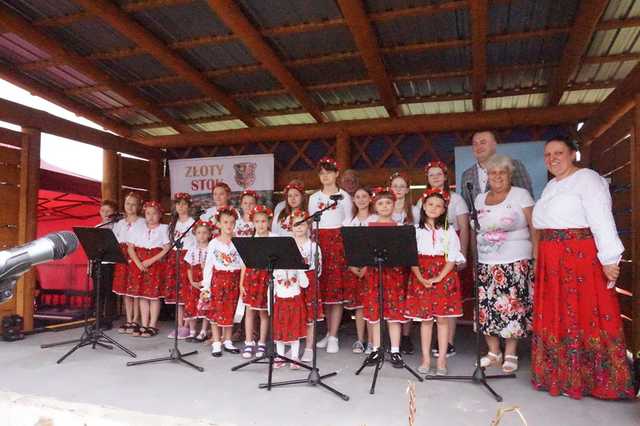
(588, 15)
(229, 12)
(121, 22)
(616, 24)
(23, 28)
(416, 123)
(367, 43)
(621, 57)
(479, 29)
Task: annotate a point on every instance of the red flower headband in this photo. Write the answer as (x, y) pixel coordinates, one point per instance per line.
(382, 192)
(260, 209)
(180, 196)
(226, 210)
(328, 161)
(152, 204)
(250, 193)
(299, 214)
(399, 175)
(208, 224)
(432, 164)
(223, 186)
(296, 186)
(438, 192)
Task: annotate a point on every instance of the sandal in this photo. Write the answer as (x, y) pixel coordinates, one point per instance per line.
(202, 336)
(261, 350)
(491, 359)
(148, 331)
(124, 327)
(247, 352)
(133, 326)
(510, 364)
(137, 332)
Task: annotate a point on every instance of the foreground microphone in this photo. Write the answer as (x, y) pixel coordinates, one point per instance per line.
(18, 260)
(336, 197)
(197, 212)
(470, 186)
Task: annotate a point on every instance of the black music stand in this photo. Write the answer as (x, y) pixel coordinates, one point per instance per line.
(277, 253)
(380, 246)
(100, 245)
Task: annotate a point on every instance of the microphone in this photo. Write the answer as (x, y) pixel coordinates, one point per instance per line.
(116, 216)
(16, 261)
(197, 212)
(336, 197)
(470, 186)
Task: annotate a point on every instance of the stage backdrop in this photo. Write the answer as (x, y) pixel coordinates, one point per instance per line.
(197, 176)
(531, 154)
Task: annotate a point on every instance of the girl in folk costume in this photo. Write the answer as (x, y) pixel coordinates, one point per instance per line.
(254, 288)
(220, 288)
(244, 224)
(333, 290)
(289, 313)
(394, 282)
(403, 214)
(124, 230)
(356, 276)
(221, 198)
(294, 198)
(457, 218)
(309, 294)
(180, 223)
(196, 257)
(434, 288)
(147, 248)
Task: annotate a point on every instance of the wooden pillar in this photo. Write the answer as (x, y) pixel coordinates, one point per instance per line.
(110, 181)
(635, 229)
(155, 175)
(28, 217)
(343, 151)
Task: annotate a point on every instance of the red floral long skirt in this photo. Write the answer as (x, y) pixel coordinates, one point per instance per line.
(121, 273)
(289, 319)
(149, 284)
(170, 282)
(394, 282)
(441, 300)
(224, 293)
(578, 344)
(333, 288)
(358, 287)
(190, 294)
(256, 288)
(309, 295)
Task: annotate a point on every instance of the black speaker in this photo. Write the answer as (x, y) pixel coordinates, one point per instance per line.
(12, 328)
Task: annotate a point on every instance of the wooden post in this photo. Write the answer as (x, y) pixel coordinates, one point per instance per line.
(27, 219)
(343, 151)
(635, 230)
(155, 175)
(110, 186)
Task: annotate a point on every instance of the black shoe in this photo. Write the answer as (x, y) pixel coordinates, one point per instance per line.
(451, 351)
(372, 358)
(396, 360)
(406, 345)
(231, 351)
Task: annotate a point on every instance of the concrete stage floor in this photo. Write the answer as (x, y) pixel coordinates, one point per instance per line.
(223, 397)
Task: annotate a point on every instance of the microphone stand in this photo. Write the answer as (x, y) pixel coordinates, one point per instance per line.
(174, 353)
(478, 377)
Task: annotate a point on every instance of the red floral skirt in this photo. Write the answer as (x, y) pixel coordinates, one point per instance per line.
(190, 294)
(578, 344)
(224, 293)
(121, 273)
(309, 296)
(441, 300)
(333, 287)
(149, 284)
(358, 287)
(289, 319)
(170, 282)
(394, 282)
(256, 288)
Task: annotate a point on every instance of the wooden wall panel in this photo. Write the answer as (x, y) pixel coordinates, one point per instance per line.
(135, 173)
(9, 194)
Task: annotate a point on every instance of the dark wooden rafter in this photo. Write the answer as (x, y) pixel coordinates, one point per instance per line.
(367, 43)
(131, 29)
(584, 26)
(479, 29)
(23, 28)
(233, 17)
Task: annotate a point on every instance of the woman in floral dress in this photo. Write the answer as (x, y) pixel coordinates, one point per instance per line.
(505, 271)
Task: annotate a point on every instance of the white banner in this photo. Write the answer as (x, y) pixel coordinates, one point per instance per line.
(197, 176)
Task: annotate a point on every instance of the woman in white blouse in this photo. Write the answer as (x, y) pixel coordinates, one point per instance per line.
(578, 344)
(505, 266)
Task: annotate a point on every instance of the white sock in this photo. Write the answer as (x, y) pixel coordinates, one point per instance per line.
(280, 348)
(295, 349)
(395, 349)
(216, 346)
(249, 343)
